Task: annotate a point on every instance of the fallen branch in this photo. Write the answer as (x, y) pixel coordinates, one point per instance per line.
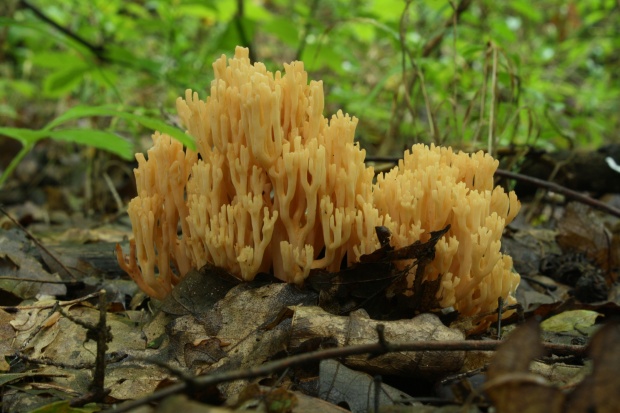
(380, 347)
(551, 186)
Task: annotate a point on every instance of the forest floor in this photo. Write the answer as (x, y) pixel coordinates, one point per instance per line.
(78, 335)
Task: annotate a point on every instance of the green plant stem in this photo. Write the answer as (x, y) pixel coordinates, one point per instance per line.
(14, 162)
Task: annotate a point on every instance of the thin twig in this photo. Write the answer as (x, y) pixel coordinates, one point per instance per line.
(417, 73)
(433, 43)
(100, 52)
(35, 280)
(483, 99)
(569, 193)
(306, 30)
(36, 241)
(331, 353)
(101, 334)
(111, 358)
(409, 83)
(10, 308)
(491, 138)
(243, 36)
(120, 206)
(455, 73)
(97, 50)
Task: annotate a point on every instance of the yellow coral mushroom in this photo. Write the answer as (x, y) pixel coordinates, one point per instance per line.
(433, 187)
(275, 186)
(278, 186)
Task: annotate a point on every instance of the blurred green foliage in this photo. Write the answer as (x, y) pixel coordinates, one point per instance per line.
(467, 73)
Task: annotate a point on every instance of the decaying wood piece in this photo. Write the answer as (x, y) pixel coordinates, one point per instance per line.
(313, 323)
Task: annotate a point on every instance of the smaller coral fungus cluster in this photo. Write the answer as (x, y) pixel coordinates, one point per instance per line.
(277, 187)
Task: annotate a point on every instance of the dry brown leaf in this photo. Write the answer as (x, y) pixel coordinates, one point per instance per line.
(343, 386)
(6, 339)
(582, 230)
(17, 263)
(600, 391)
(242, 322)
(312, 324)
(513, 389)
(510, 386)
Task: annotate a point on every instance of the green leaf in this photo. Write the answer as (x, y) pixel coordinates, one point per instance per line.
(108, 110)
(231, 36)
(284, 29)
(107, 141)
(64, 80)
(318, 56)
(204, 11)
(56, 60)
(105, 77)
(225, 10)
(570, 320)
(99, 139)
(25, 136)
(525, 9)
(387, 10)
(43, 28)
(8, 111)
(367, 22)
(470, 51)
(594, 17)
(163, 127)
(23, 87)
(130, 59)
(255, 12)
(77, 112)
(63, 406)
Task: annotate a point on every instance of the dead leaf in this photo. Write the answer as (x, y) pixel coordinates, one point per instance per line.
(510, 386)
(239, 321)
(182, 403)
(134, 379)
(65, 342)
(528, 246)
(586, 278)
(582, 230)
(26, 273)
(81, 235)
(569, 321)
(199, 290)
(6, 339)
(379, 274)
(280, 400)
(339, 384)
(600, 391)
(312, 324)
